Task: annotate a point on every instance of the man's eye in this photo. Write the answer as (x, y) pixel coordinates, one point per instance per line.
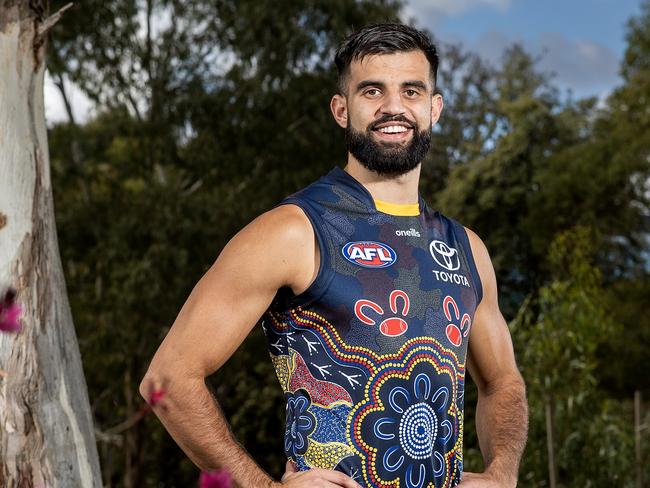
(411, 93)
(372, 92)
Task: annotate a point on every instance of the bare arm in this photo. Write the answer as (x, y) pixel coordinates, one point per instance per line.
(276, 249)
(502, 411)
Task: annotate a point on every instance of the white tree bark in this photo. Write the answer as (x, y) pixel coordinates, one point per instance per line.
(46, 433)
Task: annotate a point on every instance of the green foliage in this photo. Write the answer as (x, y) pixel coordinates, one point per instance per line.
(629, 297)
(553, 165)
(558, 333)
(492, 194)
(637, 54)
(563, 327)
(469, 120)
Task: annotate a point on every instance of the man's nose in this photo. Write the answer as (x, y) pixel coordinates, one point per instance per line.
(392, 103)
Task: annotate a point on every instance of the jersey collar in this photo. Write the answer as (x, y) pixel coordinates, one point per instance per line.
(353, 187)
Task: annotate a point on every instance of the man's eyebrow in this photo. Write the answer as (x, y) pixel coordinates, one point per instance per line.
(411, 83)
(366, 83)
(415, 84)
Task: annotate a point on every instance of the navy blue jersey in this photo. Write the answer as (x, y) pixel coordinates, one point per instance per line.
(371, 356)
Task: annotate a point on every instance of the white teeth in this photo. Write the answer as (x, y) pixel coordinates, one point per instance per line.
(393, 129)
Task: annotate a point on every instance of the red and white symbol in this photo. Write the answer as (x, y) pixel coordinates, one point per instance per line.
(454, 332)
(369, 254)
(392, 326)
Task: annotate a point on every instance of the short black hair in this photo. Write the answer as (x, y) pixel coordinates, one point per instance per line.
(385, 38)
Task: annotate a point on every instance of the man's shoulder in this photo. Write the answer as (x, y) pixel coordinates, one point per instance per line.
(475, 241)
(287, 239)
(284, 224)
(481, 257)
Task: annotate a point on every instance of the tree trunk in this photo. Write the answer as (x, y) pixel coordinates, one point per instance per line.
(638, 426)
(46, 432)
(550, 444)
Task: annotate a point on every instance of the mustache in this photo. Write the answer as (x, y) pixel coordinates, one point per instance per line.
(391, 118)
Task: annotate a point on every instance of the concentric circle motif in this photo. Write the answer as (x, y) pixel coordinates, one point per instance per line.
(417, 431)
(406, 431)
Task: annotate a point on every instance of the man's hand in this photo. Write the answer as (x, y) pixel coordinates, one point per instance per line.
(315, 477)
(481, 480)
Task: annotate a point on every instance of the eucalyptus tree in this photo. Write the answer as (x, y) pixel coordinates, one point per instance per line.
(47, 436)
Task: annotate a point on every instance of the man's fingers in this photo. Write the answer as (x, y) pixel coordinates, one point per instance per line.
(336, 477)
(317, 477)
(321, 483)
(289, 468)
(469, 474)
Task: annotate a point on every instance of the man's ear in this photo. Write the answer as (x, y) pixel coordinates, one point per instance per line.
(339, 108)
(436, 107)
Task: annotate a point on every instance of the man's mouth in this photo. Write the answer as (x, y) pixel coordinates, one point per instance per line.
(392, 129)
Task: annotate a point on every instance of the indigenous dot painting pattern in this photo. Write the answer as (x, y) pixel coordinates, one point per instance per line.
(371, 356)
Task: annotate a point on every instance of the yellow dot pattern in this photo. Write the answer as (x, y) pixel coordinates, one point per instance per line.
(281, 366)
(327, 455)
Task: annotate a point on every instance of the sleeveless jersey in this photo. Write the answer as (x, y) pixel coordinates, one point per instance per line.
(371, 356)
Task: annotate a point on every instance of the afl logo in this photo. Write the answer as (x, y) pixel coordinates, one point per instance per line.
(369, 254)
(445, 256)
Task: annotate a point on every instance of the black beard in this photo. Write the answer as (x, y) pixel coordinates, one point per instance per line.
(387, 158)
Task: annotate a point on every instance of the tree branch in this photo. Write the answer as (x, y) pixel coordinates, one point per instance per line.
(51, 21)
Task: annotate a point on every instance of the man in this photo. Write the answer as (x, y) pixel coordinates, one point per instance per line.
(372, 303)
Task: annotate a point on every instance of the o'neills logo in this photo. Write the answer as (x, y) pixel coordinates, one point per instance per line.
(447, 257)
(369, 254)
(410, 233)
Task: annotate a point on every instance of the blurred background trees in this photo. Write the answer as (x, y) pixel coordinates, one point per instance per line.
(210, 112)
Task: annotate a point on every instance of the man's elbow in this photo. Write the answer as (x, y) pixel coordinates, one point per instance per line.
(160, 382)
(510, 381)
(151, 386)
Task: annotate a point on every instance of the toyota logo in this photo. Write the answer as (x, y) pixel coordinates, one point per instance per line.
(445, 256)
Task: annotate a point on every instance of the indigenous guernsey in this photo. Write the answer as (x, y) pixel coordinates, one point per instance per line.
(371, 356)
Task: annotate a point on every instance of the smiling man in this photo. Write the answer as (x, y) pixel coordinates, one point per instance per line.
(373, 305)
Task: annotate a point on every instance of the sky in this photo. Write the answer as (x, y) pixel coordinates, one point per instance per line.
(580, 42)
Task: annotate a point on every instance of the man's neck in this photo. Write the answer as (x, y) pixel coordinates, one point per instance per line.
(401, 189)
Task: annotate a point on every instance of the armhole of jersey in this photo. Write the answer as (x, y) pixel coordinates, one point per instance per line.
(324, 276)
(461, 233)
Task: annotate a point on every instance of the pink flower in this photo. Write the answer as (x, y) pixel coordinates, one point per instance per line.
(10, 312)
(156, 396)
(215, 479)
